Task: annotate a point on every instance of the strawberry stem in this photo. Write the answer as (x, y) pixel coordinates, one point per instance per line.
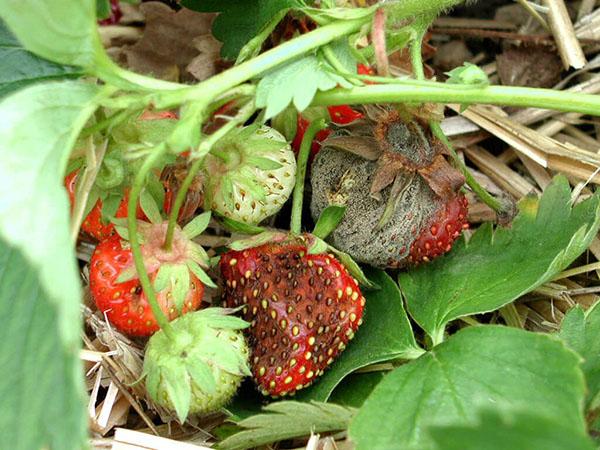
(436, 129)
(312, 130)
(242, 116)
(136, 250)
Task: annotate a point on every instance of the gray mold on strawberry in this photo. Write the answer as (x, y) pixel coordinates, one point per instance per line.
(341, 178)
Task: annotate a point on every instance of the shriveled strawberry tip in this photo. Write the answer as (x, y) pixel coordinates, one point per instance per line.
(445, 227)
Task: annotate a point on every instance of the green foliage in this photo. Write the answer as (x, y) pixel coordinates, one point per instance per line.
(497, 266)
(239, 21)
(385, 335)
(479, 367)
(468, 74)
(296, 82)
(286, 420)
(61, 31)
(581, 331)
(40, 317)
(509, 431)
(21, 68)
(328, 221)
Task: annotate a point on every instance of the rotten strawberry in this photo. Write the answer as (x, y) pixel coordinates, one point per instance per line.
(303, 309)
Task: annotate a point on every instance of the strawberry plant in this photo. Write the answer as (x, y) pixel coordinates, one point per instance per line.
(298, 218)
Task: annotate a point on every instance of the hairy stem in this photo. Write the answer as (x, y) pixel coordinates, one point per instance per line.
(303, 155)
(136, 250)
(243, 115)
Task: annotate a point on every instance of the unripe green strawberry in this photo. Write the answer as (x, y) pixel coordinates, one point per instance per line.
(249, 174)
(200, 367)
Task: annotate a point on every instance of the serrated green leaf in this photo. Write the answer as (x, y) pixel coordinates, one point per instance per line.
(201, 274)
(150, 207)
(60, 31)
(177, 384)
(510, 430)
(296, 82)
(328, 221)
(356, 388)
(21, 68)
(286, 420)
(581, 331)
(239, 21)
(385, 334)
(494, 269)
(479, 367)
(201, 374)
(197, 226)
(38, 127)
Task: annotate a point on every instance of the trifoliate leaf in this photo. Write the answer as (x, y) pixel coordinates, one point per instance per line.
(468, 74)
(286, 420)
(177, 383)
(197, 226)
(497, 266)
(509, 430)
(581, 332)
(202, 376)
(478, 367)
(296, 82)
(241, 20)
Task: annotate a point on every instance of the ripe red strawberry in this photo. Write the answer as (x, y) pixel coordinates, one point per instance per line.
(175, 274)
(303, 309)
(445, 227)
(93, 224)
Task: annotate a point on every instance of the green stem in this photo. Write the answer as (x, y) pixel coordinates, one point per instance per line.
(416, 56)
(136, 250)
(303, 155)
(243, 115)
(435, 92)
(484, 195)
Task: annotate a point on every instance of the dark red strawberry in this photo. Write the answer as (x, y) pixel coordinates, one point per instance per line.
(93, 224)
(303, 309)
(176, 275)
(115, 14)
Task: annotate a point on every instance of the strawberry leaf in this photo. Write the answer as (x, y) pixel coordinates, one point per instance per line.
(385, 335)
(40, 290)
(21, 68)
(497, 266)
(297, 83)
(499, 430)
(65, 32)
(286, 420)
(239, 21)
(479, 367)
(581, 331)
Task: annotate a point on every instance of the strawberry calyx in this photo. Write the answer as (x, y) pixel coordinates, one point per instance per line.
(200, 367)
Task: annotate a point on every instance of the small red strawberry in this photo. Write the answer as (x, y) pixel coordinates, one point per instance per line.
(176, 276)
(445, 227)
(94, 224)
(303, 309)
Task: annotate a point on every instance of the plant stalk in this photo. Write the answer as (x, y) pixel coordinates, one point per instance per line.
(136, 250)
(303, 155)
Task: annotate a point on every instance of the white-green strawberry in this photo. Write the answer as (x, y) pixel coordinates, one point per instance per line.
(250, 174)
(200, 366)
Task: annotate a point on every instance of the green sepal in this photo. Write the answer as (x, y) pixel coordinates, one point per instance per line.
(92, 199)
(223, 318)
(197, 254)
(150, 207)
(353, 268)
(202, 376)
(257, 240)
(286, 122)
(227, 191)
(110, 205)
(127, 274)
(122, 229)
(111, 173)
(200, 274)
(224, 356)
(239, 227)
(176, 278)
(156, 189)
(317, 246)
(468, 74)
(263, 163)
(177, 383)
(152, 379)
(197, 225)
(328, 221)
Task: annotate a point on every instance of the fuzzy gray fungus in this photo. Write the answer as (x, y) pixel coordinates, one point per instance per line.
(341, 178)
